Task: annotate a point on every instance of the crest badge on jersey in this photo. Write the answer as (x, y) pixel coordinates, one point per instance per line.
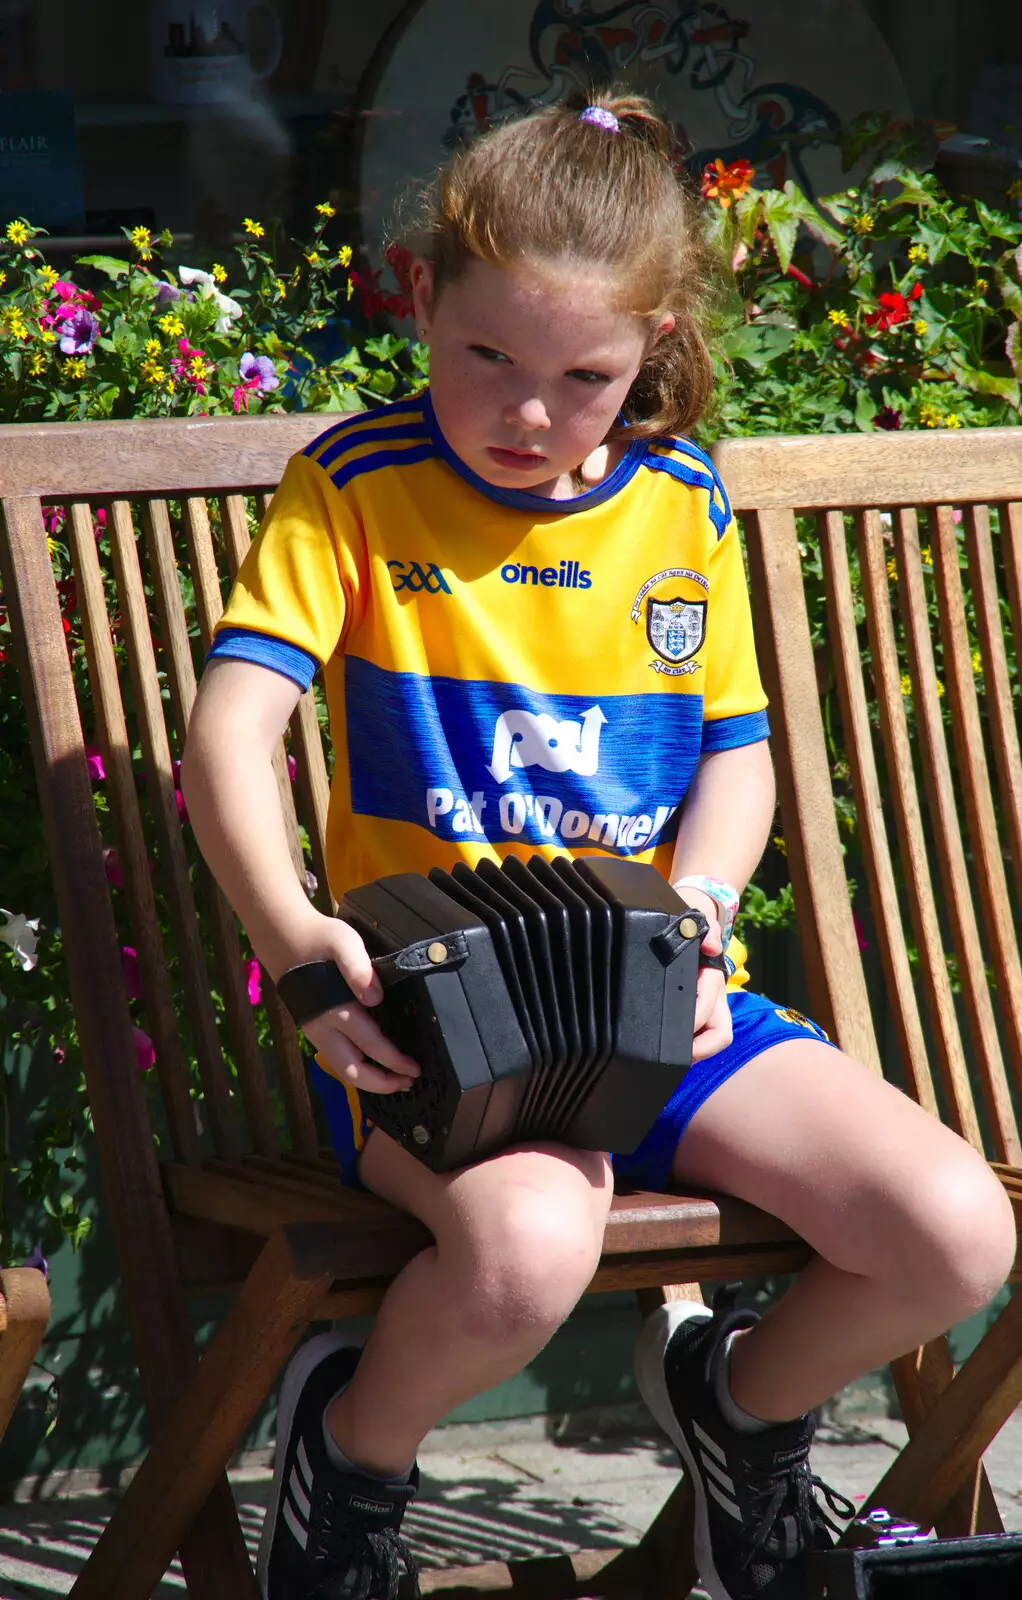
(676, 628)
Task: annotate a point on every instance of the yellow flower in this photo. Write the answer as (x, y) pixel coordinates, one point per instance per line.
(863, 224)
(142, 239)
(3, 279)
(197, 366)
(920, 327)
(918, 253)
(981, 286)
(344, 256)
(256, 229)
(906, 684)
(941, 691)
(48, 276)
(351, 289)
(780, 843)
(219, 273)
(926, 556)
(172, 326)
(840, 319)
(48, 336)
(75, 368)
(152, 372)
(326, 210)
(51, 546)
(892, 569)
(281, 288)
(313, 258)
(930, 417)
(37, 362)
(977, 662)
(14, 323)
(153, 347)
(17, 232)
(953, 420)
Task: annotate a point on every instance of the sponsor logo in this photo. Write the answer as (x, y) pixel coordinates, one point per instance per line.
(359, 1504)
(535, 739)
(789, 1014)
(420, 580)
(567, 575)
(658, 577)
(675, 628)
(544, 817)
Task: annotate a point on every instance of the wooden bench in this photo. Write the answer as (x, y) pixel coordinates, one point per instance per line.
(240, 1194)
(24, 1313)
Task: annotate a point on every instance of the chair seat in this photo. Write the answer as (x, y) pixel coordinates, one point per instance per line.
(222, 1213)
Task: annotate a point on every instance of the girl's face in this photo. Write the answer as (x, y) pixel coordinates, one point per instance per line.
(528, 367)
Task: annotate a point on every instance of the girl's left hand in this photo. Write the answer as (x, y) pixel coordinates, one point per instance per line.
(712, 1028)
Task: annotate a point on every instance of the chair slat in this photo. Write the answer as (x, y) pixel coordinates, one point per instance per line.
(933, 974)
(996, 683)
(226, 943)
(950, 855)
(837, 987)
(883, 891)
(314, 789)
(967, 731)
(112, 733)
(289, 1058)
(160, 780)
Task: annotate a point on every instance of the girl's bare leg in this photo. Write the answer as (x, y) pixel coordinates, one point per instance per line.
(518, 1238)
(912, 1231)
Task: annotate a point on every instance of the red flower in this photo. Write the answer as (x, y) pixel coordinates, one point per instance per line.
(892, 308)
(726, 184)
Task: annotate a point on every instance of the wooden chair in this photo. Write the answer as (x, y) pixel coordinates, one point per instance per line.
(242, 1196)
(24, 1313)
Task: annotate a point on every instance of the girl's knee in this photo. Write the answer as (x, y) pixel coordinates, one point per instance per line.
(961, 1241)
(528, 1267)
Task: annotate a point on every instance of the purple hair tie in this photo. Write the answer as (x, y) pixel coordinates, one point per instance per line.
(600, 117)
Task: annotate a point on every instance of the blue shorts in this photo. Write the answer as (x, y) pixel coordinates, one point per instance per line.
(757, 1023)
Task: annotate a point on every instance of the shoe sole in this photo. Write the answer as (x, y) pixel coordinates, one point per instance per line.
(650, 1347)
(308, 1358)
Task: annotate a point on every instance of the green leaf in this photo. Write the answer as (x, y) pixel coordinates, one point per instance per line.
(1013, 348)
(981, 382)
(758, 343)
(865, 410)
(995, 223)
(109, 264)
(840, 206)
(782, 219)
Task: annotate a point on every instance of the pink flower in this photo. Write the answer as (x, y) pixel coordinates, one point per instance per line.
(182, 809)
(860, 933)
(129, 967)
(253, 977)
(94, 762)
(145, 1050)
(292, 768)
(113, 869)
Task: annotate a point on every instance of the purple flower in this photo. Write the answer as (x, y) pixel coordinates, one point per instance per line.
(253, 981)
(39, 1261)
(145, 1050)
(167, 292)
(94, 761)
(888, 417)
(79, 334)
(258, 372)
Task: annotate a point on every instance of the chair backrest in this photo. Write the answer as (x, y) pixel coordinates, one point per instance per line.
(886, 575)
(156, 517)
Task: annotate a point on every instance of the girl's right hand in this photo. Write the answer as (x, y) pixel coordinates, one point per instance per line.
(347, 1034)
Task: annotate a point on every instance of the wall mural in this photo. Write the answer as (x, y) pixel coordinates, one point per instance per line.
(758, 79)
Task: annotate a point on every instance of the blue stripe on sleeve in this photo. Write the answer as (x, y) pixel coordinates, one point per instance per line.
(265, 650)
(727, 733)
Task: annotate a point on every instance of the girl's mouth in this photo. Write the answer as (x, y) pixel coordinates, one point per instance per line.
(523, 460)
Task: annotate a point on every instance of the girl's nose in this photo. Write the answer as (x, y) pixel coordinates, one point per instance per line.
(530, 413)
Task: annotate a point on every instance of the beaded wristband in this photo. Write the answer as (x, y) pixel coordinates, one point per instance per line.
(723, 895)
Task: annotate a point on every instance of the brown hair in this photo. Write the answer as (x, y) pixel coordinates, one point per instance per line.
(551, 184)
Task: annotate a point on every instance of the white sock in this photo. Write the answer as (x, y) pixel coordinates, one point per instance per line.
(741, 1421)
(336, 1457)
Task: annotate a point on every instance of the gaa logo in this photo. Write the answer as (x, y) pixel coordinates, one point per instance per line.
(419, 579)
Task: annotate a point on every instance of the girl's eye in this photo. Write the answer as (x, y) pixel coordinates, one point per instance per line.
(583, 375)
(487, 352)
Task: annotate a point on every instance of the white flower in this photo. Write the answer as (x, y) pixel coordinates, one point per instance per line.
(20, 933)
(229, 309)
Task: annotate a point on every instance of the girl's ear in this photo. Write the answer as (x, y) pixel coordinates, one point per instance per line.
(665, 325)
(421, 276)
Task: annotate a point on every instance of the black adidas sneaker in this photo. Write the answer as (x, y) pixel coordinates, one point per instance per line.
(756, 1510)
(328, 1535)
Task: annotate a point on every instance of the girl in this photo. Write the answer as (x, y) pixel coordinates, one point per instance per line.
(527, 595)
